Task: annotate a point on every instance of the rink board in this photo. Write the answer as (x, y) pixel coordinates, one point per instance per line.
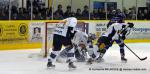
(139, 34)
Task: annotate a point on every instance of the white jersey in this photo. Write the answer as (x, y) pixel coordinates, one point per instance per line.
(113, 31)
(62, 27)
(80, 38)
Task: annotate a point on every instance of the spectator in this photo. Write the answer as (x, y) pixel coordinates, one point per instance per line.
(42, 10)
(112, 14)
(57, 16)
(35, 10)
(73, 14)
(102, 14)
(6, 10)
(78, 14)
(59, 10)
(28, 4)
(120, 14)
(28, 13)
(132, 15)
(14, 9)
(95, 15)
(39, 17)
(146, 15)
(48, 13)
(85, 12)
(14, 16)
(140, 15)
(21, 15)
(125, 11)
(35, 3)
(4, 16)
(68, 12)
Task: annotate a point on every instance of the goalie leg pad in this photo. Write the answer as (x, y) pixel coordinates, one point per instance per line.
(71, 54)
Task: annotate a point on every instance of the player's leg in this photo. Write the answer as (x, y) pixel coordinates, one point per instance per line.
(100, 49)
(62, 55)
(80, 54)
(57, 44)
(70, 48)
(122, 52)
(103, 44)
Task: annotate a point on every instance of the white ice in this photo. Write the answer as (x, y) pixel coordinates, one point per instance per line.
(18, 62)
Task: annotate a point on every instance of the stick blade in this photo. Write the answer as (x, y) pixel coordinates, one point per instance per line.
(142, 59)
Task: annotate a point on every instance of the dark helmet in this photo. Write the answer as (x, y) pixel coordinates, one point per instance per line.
(117, 19)
(131, 25)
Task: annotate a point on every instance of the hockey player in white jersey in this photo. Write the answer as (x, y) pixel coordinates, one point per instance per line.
(120, 41)
(113, 33)
(80, 42)
(63, 34)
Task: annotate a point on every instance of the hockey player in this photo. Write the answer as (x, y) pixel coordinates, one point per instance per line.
(118, 19)
(114, 32)
(80, 42)
(63, 34)
(120, 41)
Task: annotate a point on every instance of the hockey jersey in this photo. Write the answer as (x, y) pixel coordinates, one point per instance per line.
(114, 30)
(63, 27)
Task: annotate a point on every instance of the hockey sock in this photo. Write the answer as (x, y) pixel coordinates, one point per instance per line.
(53, 56)
(122, 50)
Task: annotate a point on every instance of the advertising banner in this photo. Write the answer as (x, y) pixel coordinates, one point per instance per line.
(35, 31)
(13, 32)
(97, 28)
(141, 30)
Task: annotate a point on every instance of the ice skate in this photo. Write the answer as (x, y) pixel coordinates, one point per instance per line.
(71, 66)
(50, 65)
(123, 59)
(99, 59)
(90, 61)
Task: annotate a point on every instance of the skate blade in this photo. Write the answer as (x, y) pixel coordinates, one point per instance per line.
(99, 61)
(50, 68)
(123, 61)
(71, 69)
(89, 63)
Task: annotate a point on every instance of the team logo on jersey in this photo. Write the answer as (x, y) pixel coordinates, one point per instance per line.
(22, 29)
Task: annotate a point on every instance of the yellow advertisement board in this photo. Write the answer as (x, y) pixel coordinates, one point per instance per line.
(13, 32)
(20, 34)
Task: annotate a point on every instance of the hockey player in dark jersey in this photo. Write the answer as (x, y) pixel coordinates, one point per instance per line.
(117, 19)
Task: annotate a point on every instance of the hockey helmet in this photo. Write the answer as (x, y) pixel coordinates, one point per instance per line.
(71, 22)
(130, 25)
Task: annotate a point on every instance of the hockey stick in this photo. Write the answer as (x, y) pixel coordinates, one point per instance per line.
(136, 54)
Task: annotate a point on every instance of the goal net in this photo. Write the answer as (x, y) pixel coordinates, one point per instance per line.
(46, 29)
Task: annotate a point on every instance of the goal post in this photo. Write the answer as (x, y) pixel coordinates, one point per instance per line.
(47, 29)
(48, 35)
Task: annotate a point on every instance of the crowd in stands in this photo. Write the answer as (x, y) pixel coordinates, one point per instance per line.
(42, 13)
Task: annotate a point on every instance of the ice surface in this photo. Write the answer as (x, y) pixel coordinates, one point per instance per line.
(18, 62)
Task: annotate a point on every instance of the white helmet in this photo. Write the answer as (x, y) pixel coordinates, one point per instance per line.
(71, 22)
